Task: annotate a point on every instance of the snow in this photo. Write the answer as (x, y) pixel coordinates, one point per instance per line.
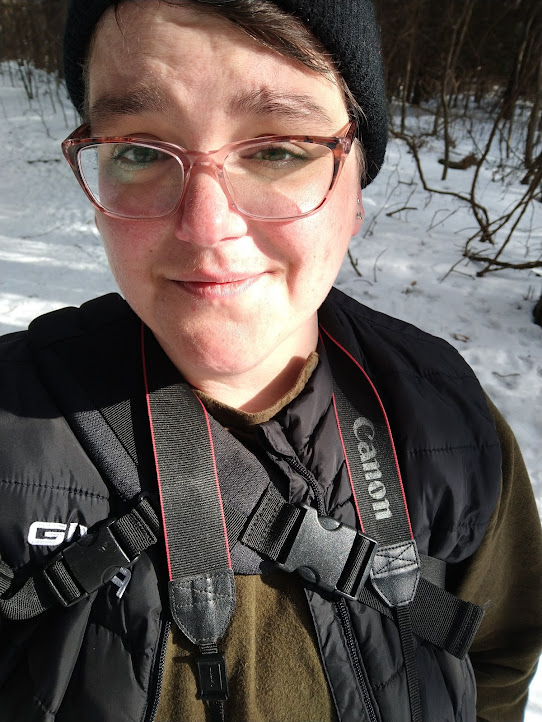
(51, 256)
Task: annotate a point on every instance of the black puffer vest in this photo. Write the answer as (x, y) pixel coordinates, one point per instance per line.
(101, 659)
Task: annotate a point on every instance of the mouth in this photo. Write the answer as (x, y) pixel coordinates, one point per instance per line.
(218, 287)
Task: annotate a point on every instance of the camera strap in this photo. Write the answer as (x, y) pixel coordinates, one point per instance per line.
(201, 580)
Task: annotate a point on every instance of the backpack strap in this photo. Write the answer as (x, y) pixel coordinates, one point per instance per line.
(82, 567)
(56, 341)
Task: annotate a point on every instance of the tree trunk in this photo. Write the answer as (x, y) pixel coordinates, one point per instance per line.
(456, 42)
(534, 119)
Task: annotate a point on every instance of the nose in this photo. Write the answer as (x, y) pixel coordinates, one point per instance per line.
(206, 216)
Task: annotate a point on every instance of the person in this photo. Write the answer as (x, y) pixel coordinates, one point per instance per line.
(171, 459)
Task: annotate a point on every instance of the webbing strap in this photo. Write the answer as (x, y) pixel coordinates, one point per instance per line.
(271, 525)
(84, 566)
(273, 530)
(191, 506)
(404, 623)
(6, 577)
(438, 617)
(369, 451)
(201, 586)
(379, 498)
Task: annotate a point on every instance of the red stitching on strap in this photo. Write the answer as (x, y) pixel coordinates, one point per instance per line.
(385, 418)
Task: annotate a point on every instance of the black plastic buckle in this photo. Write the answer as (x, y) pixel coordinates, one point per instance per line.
(212, 678)
(92, 561)
(332, 555)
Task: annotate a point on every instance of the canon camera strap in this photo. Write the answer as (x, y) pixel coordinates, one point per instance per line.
(379, 497)
(201, 580)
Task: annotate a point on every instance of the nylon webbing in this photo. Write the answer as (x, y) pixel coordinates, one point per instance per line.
(372, 463)
(271, 525)
(201, 587)
(379, 498)
(27, 602)
(192, 512)
(84, 566)
(404, 622)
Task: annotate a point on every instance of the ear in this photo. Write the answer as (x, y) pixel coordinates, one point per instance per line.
(360, 214)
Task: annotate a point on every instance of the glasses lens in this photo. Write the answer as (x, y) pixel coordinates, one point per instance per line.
(132, 179)
(279, 180)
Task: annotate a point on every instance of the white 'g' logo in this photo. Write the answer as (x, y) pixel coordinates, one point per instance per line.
(53, 533)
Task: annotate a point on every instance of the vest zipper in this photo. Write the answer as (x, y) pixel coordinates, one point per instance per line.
(340, 604)
(354, 656)
(159, 673)
(311, 481)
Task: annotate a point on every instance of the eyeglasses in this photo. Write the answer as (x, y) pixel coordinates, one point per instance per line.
(270, 178)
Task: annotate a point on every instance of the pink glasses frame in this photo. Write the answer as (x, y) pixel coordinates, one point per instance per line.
(340, 145)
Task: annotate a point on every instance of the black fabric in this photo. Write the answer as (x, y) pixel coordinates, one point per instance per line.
(138, 529)
(449, 458)
(404, 622)
(90, 381)
(369, 450)
(271, 525)
(81, 568)
(346, 28)
(191, 504)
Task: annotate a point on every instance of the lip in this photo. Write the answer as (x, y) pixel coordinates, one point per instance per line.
(218, 286)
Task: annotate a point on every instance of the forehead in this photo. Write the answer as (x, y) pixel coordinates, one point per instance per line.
(155, 56)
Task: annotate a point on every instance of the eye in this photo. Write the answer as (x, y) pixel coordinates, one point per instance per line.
(132, 155)
(276, 153)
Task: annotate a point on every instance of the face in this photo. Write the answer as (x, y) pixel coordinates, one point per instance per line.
(228, 297)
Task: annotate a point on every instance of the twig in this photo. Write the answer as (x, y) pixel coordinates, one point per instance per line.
(451, 269)
(376, 261)
(354, 264)
(39, 235)
(398, 210)
(435, 224)
(501, 264)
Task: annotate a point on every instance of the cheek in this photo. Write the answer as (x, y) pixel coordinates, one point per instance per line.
(128, 245)
(330, 234)
(316, 255)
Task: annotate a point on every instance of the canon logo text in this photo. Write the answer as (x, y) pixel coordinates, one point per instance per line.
(364, 431)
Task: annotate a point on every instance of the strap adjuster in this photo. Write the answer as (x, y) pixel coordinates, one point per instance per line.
(86, 565)
(212, 678)
(332, 555)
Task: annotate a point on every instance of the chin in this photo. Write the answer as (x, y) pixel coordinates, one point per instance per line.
(223, 350)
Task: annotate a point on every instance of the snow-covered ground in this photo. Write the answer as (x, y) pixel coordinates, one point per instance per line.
(51, 256)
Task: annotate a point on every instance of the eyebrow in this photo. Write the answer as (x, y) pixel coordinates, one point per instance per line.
(291, 106)
(143, 99)
(260, 102)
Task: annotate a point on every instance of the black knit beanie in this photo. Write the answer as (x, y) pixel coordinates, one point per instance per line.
(346, 28)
